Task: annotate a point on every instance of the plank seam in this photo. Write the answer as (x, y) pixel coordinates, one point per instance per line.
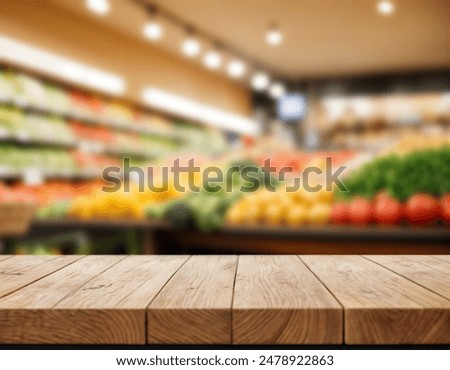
(232, 301)
(80, 287)
(42, 277)
(157, 294)
(406, 278)
(337, 300)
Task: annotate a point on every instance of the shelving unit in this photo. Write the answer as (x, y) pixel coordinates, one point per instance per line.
(362, 121)
(140, 136)
(166, 238)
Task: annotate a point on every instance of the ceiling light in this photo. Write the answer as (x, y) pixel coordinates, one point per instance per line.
(236, 68)
(212, 59)
(191, 109)
(276, 90)
(101, 7)
(274, 36)
(153, 31)
(385, 7)
(191, 47)
(260, 81)
(25, 55)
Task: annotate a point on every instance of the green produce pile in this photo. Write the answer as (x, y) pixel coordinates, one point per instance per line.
(57, 209)
(424, 171)
(205, 210)
(17, 158)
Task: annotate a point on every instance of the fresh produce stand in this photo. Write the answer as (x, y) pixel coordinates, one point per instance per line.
(146, 230)
(225, 300)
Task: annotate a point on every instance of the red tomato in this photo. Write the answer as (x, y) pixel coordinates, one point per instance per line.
(422, 209)
(387, 210)
(339, 213)
(445, 208)
(382, 194)
(360, 211)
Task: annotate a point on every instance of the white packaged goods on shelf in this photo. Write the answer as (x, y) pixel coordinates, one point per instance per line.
(91, 147)
(6, 87)
(32, 176)
(4, 134)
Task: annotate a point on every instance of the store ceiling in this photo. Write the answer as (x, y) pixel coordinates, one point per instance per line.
(327, 37)
(322, 37)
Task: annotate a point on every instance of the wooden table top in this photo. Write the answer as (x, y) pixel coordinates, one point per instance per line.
(225, 299)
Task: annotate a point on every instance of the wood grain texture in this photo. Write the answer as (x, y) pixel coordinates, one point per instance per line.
(27, 315)
(4, 256)
(114, 303)
(427, 271)
(19, 271)
(442, 258)
(272, 299)
(195, 306)
(381, 307)
(278, 300)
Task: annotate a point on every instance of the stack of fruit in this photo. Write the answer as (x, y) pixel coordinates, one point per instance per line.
(421, 209)
(296, 161)
(282, 207)
(9, 195)
(14, 158)
(118, 114)
(392, 189)
(120, 204)
(206, 208)
(85, 106)
(92, 133)
(93, 162)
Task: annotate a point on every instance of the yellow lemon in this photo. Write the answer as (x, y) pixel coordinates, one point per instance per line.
(296, 215)
(319, 214)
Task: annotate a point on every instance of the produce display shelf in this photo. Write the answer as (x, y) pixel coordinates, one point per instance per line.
(101, 223)
(10, 174)
(92, 120)
(225, 300)
(438, 233)
(27, 140)
(94, 147)
(283, 240)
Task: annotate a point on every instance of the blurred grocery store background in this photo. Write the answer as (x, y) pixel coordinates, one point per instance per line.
(85, 84)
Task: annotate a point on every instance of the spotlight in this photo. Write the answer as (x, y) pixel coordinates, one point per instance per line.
(191, 47)
(274, 37)
(153, 31)
(385, 7)
(276, 90)
(212, 59)
(236, 68)
(101, 7)
(260, 81)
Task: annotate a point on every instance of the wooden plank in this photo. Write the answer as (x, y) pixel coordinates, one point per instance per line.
(4, 256)
(427, 271)
(110, 309)
(195, 306)
(19, 271)
(277, 300)
(26, 316)
(381, 307)
(442, 258)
